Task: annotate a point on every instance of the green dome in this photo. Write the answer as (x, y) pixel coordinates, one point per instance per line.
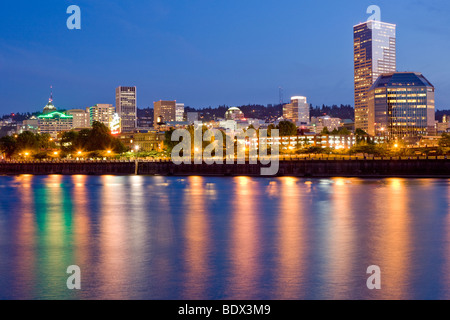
(49, 107)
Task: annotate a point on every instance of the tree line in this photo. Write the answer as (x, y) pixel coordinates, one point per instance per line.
(39, 146)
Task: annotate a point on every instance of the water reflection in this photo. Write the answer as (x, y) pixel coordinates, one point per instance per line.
(244, 242)
(53, 216)
(114, 243)
(82, 223)
(341, 244)
(446, 248)
(392, 238)
(232, 238)
(293, 248)
(198, 240)
(25, 253)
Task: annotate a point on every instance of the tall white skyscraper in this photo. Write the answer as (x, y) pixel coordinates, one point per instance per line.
(303, 109)
(374, 44)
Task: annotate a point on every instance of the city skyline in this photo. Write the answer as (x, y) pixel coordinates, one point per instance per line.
(228, 64)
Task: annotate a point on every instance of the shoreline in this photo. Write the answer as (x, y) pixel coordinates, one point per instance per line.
(369, 168)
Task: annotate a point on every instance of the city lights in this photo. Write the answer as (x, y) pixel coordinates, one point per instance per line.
(305, 161)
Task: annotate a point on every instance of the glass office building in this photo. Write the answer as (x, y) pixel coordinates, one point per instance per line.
(401, 104)
(126, 107)
(374, 54)
(297, 111)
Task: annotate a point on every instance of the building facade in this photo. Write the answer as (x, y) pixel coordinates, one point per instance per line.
(145, 118)
(374, 45)
(314, 140)
(126, 107)
(179, 112)
(101, 113)
(191, 117)
(54, 123)
(164, 111)
(297, 111)
(320, 123)
(144, 141)
(80, 118)
(402, 105)
(31, 124)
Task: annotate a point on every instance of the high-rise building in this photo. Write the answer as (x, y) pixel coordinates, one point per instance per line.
(290, 112)
(80, 118)
(374, 45)
(126, 107)
(145, 118)
(102, 113)
(297, 111)
(164, 111)
(401, 104)
(179, 112)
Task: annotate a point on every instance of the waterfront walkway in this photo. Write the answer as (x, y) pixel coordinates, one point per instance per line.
(333, 166)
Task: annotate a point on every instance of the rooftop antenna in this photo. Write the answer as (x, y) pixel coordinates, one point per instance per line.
(280, 93)
(51, 95)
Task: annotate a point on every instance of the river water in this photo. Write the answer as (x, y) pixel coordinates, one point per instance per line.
(148, 237)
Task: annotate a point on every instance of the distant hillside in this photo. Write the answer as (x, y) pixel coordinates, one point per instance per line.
(272, 112)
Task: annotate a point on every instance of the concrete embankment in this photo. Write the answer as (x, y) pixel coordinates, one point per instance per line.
(302, 168)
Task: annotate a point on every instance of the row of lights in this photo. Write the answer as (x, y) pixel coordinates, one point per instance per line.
(56, 153)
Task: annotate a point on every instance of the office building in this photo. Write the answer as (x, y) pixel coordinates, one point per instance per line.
(320, 123)
(179, 112)
(101, 113)
(31, 124)
(145, 118)
(80, 118)
(374, 54)
(402, 105)
(164, 111)
(126, 108)
(297, 111)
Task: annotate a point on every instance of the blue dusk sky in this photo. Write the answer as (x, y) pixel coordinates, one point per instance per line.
(206, 52)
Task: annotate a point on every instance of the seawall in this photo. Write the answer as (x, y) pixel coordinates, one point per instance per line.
(300, 168)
